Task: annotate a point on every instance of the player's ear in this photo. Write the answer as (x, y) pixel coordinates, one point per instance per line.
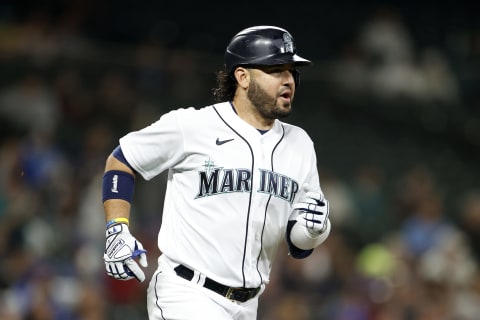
(242, 75)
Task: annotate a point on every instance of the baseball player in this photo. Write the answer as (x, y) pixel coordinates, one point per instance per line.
(240, 181)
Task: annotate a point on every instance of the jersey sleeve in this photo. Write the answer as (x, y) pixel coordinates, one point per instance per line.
(156, 147)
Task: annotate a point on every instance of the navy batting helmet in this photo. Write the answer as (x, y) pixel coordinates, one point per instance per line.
(262, 45)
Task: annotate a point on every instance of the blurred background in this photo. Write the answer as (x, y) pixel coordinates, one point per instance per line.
(392, 104)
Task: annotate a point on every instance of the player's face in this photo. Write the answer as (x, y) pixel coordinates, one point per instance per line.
(271, 91)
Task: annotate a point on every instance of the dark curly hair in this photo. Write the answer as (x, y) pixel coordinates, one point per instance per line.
(226, 87)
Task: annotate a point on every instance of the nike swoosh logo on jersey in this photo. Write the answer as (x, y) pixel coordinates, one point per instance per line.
(220, 142)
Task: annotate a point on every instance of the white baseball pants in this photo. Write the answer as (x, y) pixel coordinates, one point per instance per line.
(171, 297)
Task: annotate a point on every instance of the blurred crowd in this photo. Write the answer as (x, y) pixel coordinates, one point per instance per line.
(404, 245)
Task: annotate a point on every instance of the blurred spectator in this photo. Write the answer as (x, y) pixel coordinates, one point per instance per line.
(30, 105)
(340, 197)
(115, 100)
(442, 83)
(290, 306)
(470, 220)
(385, 38)
(426, 226)
(151, 61)
(371, 219)
(383, 62)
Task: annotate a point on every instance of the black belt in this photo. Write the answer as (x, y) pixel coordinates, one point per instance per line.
(238, 294)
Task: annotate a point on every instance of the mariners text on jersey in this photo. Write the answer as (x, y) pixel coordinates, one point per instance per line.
(219, 180)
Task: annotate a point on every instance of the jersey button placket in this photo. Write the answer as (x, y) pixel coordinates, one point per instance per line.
(262, 147)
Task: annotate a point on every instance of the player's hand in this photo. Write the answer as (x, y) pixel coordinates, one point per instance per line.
(120, 253)
(313, 213)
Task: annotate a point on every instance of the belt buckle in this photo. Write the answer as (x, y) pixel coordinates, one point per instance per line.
(239, 294)
(230, 293)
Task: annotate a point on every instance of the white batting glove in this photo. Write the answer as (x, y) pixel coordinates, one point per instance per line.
(120, 253)
(313, 213)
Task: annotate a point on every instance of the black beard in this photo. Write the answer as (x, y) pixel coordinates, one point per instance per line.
(265, 104)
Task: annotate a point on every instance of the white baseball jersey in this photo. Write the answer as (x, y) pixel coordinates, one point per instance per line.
(230, 188)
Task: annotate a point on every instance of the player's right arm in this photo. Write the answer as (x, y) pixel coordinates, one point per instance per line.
(114, 207)
(121, 247)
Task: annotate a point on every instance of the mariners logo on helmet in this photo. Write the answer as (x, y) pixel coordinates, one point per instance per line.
(288, 43)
